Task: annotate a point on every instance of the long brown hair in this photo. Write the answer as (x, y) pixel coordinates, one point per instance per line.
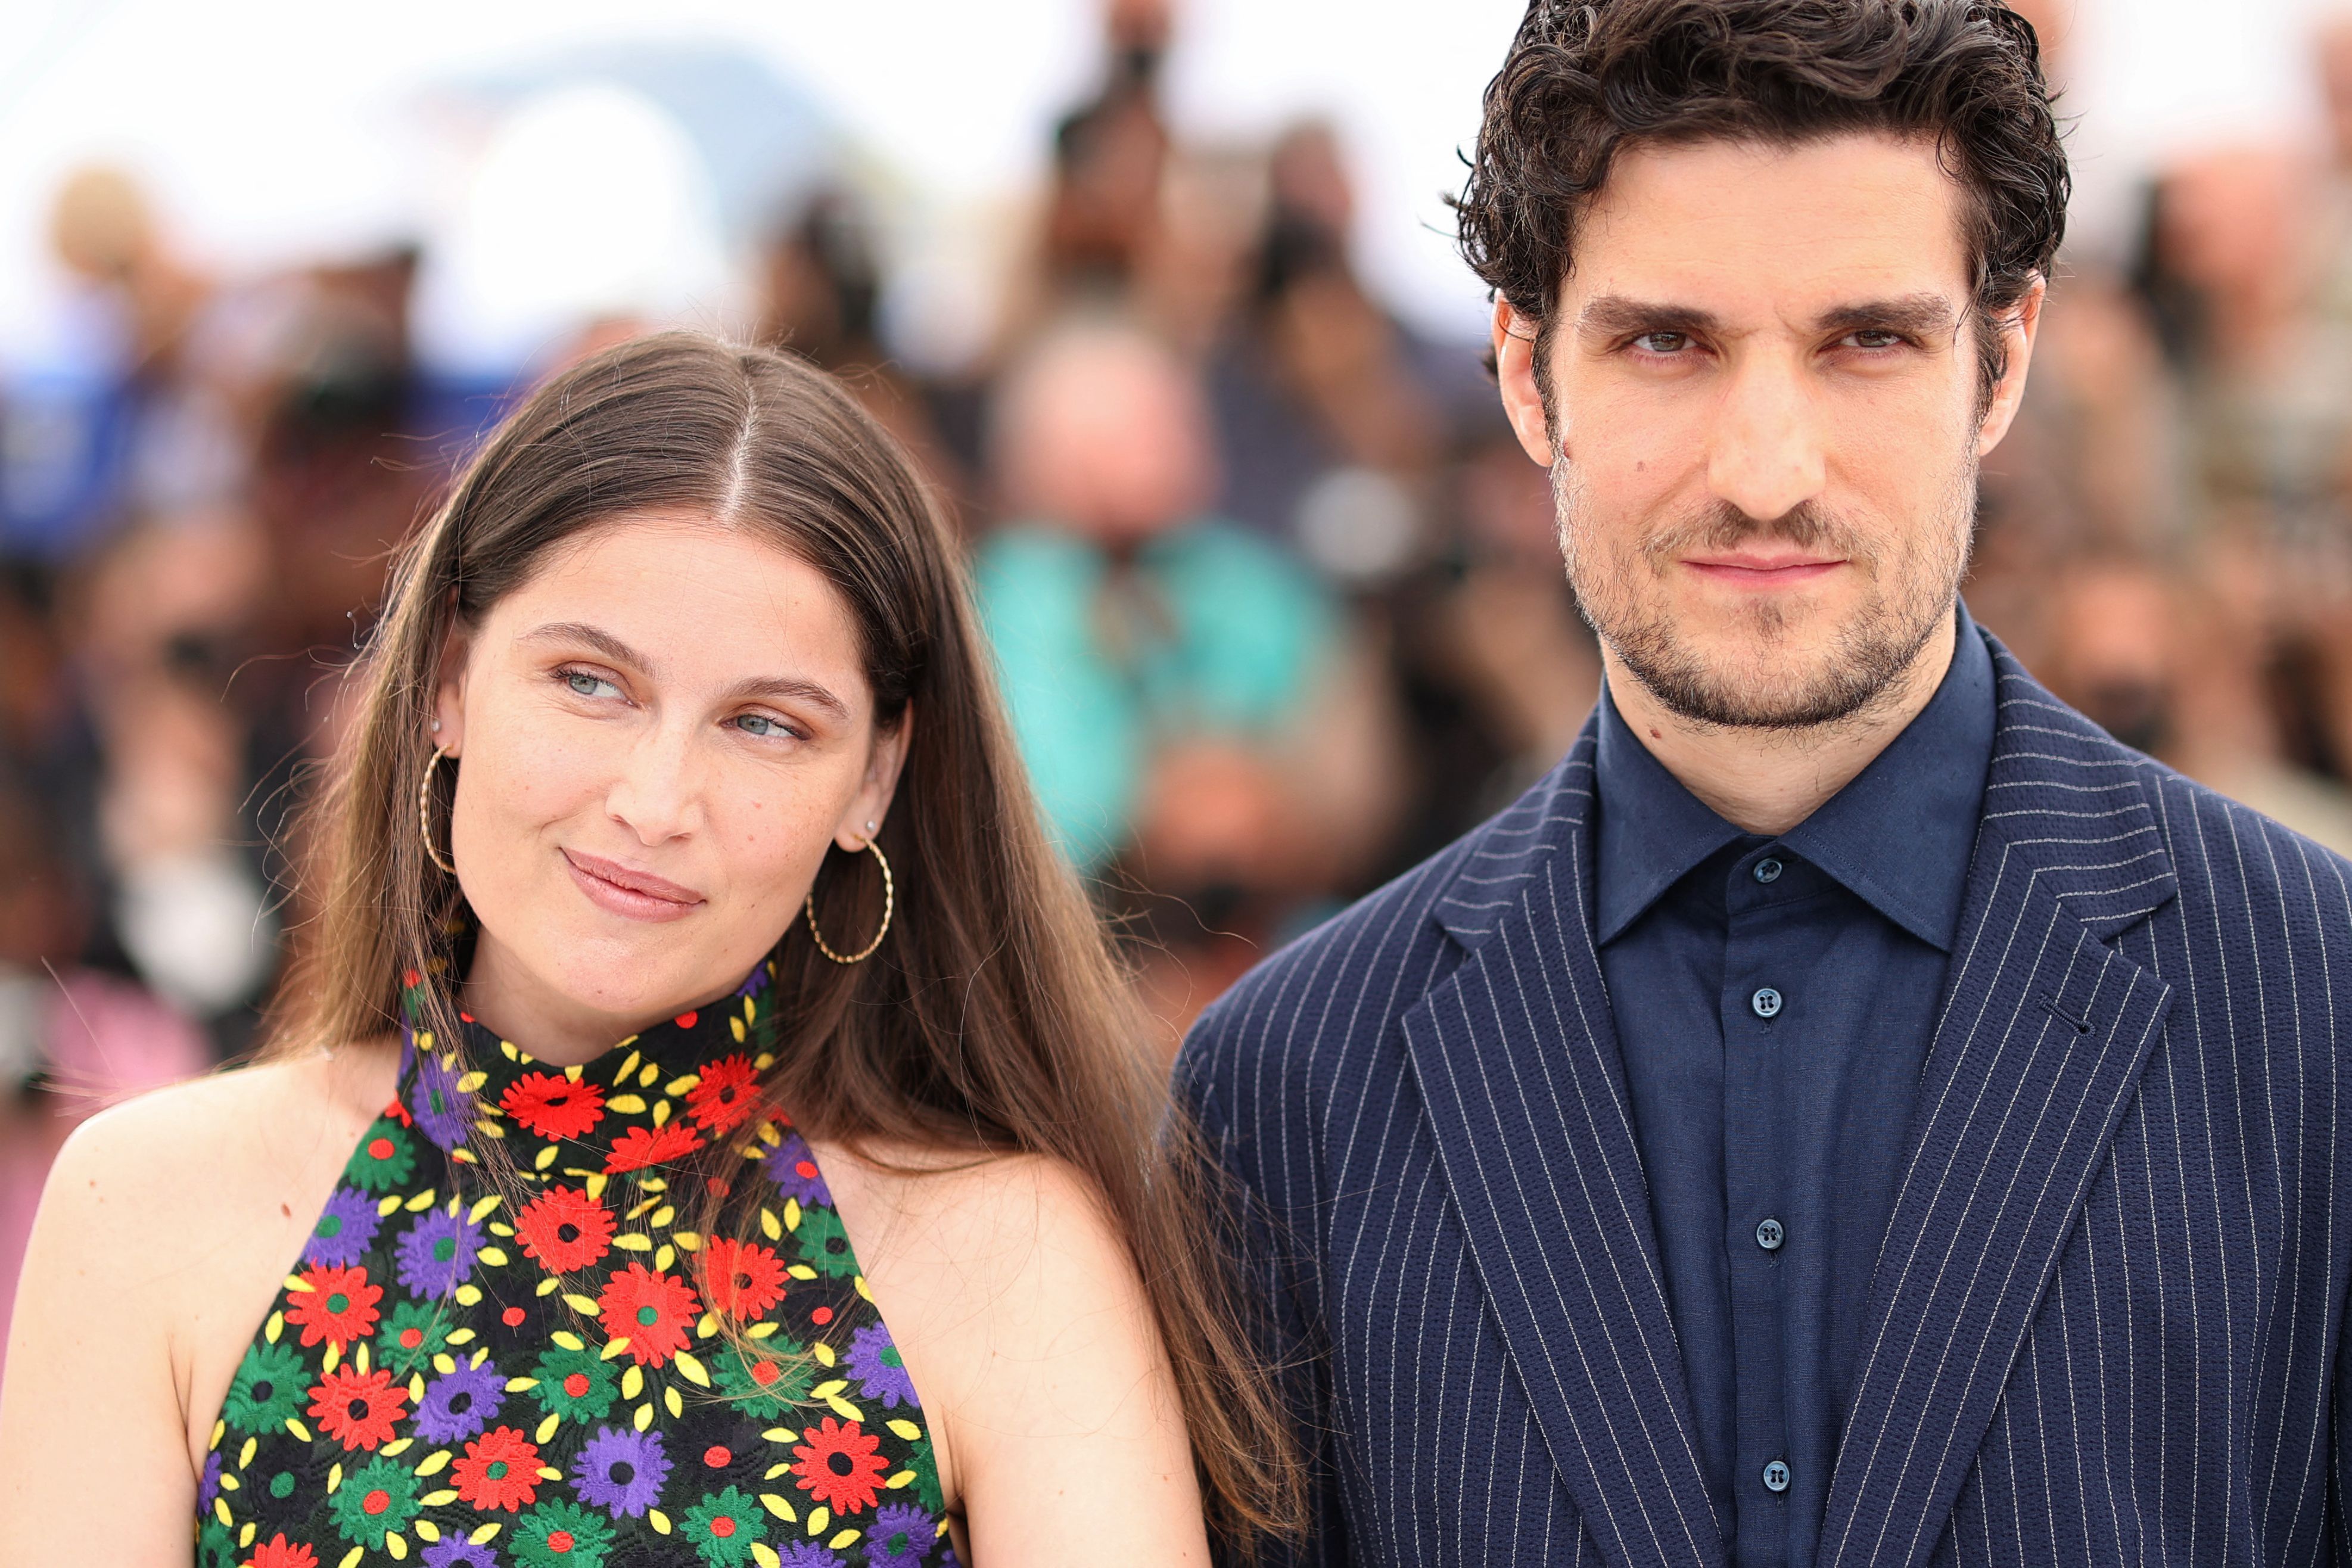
(995, 1020)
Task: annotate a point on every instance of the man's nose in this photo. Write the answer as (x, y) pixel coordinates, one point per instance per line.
(1765, 455)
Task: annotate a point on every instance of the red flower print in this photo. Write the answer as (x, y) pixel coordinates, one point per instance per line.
(500, 1470)
(726, 1096)
(355, 1411)
(838, 1466)
(565, 1229)
(550, 1105)
(339, 1305)
(651, 1310)
(399, 1113)
(643, 1146)
(744, 1279)
(279, 1552)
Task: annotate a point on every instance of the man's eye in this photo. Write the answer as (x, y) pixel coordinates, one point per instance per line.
(1873, 338)
(1663, 343)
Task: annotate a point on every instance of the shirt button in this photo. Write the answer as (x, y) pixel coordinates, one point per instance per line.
(1769, 1236)
(1766, 871)
(1776, 1476)
(1766, 1002)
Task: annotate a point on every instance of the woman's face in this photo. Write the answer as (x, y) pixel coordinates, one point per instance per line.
(659, 734)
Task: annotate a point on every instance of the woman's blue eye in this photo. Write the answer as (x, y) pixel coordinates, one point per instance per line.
(761, 724)
(586, 684)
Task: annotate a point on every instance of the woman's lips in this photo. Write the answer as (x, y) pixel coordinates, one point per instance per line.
(638, 895)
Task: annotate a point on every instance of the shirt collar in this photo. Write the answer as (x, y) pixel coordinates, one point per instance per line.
(1924, 793)
(1653, 830)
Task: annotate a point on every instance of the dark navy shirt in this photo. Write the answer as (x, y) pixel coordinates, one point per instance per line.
(1774, 999)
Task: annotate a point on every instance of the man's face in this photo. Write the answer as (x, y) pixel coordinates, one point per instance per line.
(1765, 420)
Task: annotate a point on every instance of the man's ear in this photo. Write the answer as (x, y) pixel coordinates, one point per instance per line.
(872, 802)
(2019, 330)
(449, 692)
(1517, 370)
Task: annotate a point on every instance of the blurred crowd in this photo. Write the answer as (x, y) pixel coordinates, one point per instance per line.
(1274, 594)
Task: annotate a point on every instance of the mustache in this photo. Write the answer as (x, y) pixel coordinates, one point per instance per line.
(1719, 525)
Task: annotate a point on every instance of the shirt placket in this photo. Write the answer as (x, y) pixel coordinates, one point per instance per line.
(1759, 1018)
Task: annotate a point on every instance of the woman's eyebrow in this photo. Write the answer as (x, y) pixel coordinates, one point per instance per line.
(787, 688)
(602, 641)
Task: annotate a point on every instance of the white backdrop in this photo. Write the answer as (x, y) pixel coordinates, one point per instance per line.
(276, 129)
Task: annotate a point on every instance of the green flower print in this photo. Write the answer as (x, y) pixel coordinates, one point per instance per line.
(766, 1390)
(217, 1545)
(724, 1526)
(562, 1534)
(926, 1477)
(374, 1500)
(578, 1385)
(383, 1159)
(271, 1387)
(825, 1243)
(411, 1337)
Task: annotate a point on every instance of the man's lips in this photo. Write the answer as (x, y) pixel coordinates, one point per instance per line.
(1743, 570)
(633, 885)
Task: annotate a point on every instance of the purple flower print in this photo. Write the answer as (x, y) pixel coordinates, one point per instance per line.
(899, 1537)
(346, 1229)
(621, 1470)
(455, 1552)
(809, 1554)
(210, 1487)
(443, 1112)
(460, 1403)
(437, 1256)
(874, 1361)
(792, 1168)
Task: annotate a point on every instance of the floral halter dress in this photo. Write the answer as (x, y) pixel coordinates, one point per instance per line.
(463, 1377)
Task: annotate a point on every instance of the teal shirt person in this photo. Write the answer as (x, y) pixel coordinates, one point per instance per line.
(1207, 630)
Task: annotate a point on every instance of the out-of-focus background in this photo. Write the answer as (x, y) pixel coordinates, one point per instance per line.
(1162, 294)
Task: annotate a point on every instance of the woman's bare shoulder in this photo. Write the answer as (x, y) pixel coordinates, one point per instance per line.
(1016, 1304)
(978, 1260)
(986, 1215)
(177, 1148)
(166, 1224)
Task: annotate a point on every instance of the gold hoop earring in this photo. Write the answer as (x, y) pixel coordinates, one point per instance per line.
(425, 810)
(890, 903)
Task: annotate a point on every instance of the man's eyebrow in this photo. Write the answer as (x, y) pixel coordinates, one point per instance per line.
(1616, 316)
(775, 688)
(1922, 316)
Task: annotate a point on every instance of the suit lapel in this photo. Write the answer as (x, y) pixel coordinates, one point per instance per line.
(1517, 1056)
(2039, 1044)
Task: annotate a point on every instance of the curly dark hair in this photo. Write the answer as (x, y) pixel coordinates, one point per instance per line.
(1586, 78)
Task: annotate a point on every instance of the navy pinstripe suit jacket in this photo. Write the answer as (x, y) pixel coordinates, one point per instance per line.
(2106, 1315)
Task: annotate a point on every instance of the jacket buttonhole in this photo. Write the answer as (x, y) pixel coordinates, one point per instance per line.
(2050, 1005)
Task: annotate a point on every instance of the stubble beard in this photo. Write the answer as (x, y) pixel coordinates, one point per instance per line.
(1773, 686)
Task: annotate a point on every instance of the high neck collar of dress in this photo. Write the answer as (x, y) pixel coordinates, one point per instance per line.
(653, 1098)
